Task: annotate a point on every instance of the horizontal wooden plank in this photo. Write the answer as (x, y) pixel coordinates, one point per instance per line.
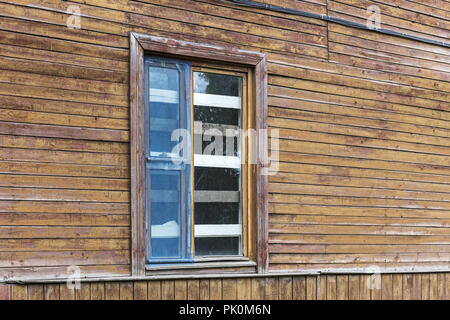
(358, 239)
(358, 220)
(358, 258)
(63, 182)
(58, 219)
(55, 232)
(16, 154)
(330, 229)
(64, 207)
(61, 70)
(361, 163)
(330, 88)
(357, 201)
(357, 116)
(362, 152)
(56, 169)
(362, 72)
(97, 112)
(7, 193)
(40, 130)
(367, 192)
(343, 268)
(358, 248)
(343, 139)
(389, 137)
(52, 273)
(10, 141)
(65, 83)
(332, 180)
(62, 258)
(109, 56)
(356, 210)
(324, 170)
(364, 83)
(16, 245)
(64, 95)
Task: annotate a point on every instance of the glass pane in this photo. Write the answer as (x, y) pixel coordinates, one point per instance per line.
(220, 84)
(217, 115)
(217, 246)
(217, 213)
(167, 103)
(217, 173)
(216, 179)
(165, 214)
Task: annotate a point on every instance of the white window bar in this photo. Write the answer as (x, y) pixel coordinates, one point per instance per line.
(218, 230)
(216, 196)
(216, 100)
(211, 161)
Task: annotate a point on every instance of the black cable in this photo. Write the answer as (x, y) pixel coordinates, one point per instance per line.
(252, 4)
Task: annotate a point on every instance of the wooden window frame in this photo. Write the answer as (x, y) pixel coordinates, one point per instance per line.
(208, 51)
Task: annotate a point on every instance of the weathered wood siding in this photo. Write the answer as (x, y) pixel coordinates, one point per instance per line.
(364, 122)
(325, 287)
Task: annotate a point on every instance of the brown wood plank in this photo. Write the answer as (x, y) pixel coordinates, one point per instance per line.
(5, 292)
(112, 291)
(243, 288)
(215, 289)
(126, 290)
(285, 288)
(271, 288)
(322, 286)
(204, 289)
(301, 289)
(364, 287)
(397, 280)
(441, 290)
(35, 292)
(19, 292)
(229, 289)
(167, 290)
(51, 292)
(193, 287)
(83, 292)
(154, 290)
(342, 287)
(353, 287)
(66, 293)
(98, 291)
(425, 286)
(180, 289)
(311, 288)
(386, 286)
(258, 289)
(331, 287)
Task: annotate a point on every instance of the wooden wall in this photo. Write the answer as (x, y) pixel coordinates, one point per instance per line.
(417, 286)
(364, 122)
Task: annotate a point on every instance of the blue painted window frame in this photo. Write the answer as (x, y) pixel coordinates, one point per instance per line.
(165, 162)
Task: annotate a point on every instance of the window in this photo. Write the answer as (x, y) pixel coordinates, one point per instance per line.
(196, 197)
(215, 218)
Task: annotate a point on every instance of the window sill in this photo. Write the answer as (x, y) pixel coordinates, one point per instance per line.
(205, 265)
